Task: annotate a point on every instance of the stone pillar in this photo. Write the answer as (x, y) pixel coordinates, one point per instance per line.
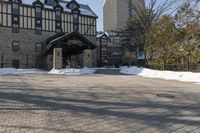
(73, 61)
(57, 58)
(87, 58)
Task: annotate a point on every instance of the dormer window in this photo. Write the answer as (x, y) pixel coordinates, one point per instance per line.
(74, 6)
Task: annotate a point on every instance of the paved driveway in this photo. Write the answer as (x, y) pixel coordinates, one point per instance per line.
(98, 103)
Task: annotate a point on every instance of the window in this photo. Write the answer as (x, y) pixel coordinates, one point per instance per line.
(38, 47)
(38, 12)
(58, 24)
(58, 30)
(15, 63)
(15, 19)
(39, 30)
(15, 46)
(58, 15)
(15, 28)
(76, 18)
(15, 8)
(75, 27)
(38, 22)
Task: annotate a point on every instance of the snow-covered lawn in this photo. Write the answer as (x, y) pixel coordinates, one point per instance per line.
(167, 75)
(73, 71)
(28, 71)
(144, 72)
(67, 71)
(6, 71)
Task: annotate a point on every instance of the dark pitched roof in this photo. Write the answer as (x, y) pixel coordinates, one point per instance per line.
(62, 38)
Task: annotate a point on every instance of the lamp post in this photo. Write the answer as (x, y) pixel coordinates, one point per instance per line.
(27, 60)
(2, 58)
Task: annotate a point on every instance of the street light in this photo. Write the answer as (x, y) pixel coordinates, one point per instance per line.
(2, 58)
(27, 60)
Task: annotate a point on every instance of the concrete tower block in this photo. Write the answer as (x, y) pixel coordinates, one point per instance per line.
(57, 58)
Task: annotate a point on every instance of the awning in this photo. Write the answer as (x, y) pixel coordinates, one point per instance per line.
(72, 43)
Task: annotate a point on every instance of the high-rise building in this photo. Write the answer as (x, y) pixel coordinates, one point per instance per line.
(117, 12)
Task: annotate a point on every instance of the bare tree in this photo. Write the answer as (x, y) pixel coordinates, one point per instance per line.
(148, 13)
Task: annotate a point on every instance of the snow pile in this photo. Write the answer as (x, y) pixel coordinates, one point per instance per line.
(27, 71)
(6, 71)
(167, 75)
(73, 71)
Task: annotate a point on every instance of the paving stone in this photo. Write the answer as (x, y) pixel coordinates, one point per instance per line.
(96, 104)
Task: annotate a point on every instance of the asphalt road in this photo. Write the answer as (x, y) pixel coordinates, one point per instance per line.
(100, 103)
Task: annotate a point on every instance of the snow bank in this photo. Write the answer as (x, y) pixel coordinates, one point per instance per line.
(73, 71)
(27, 71)
(167, 75)
(5, 71)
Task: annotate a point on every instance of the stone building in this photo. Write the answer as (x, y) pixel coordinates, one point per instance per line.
(109, 49)
(47, 34)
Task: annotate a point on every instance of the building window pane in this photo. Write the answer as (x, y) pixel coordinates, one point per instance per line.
(15, 28)
(15, 8)
(15, 63)
(38, 47)
(58, 15)
(38, 12)
(15, 46)
(75, 18)
(38, 30)
(58, 30)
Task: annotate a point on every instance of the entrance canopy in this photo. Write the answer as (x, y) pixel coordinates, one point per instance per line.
(72, 43)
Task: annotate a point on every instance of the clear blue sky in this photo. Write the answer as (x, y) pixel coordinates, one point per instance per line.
(97, 7)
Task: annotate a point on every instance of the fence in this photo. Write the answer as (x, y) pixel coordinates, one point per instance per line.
(176, 67)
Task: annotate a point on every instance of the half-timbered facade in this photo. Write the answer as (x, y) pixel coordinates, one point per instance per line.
(28, 28)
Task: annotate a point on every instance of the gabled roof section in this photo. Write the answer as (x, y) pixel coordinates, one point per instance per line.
(38, 2)
(63, 38)
(74, 6)
(84, 9)
(58, 7)
(103, 34)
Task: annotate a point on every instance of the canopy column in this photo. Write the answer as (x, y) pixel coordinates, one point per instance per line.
(57, 58)
(87, 58)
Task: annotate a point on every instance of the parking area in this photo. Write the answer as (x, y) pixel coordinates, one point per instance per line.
(99, 103)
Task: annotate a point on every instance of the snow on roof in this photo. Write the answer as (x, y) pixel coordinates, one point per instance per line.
(84, 9)
(103, 33)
